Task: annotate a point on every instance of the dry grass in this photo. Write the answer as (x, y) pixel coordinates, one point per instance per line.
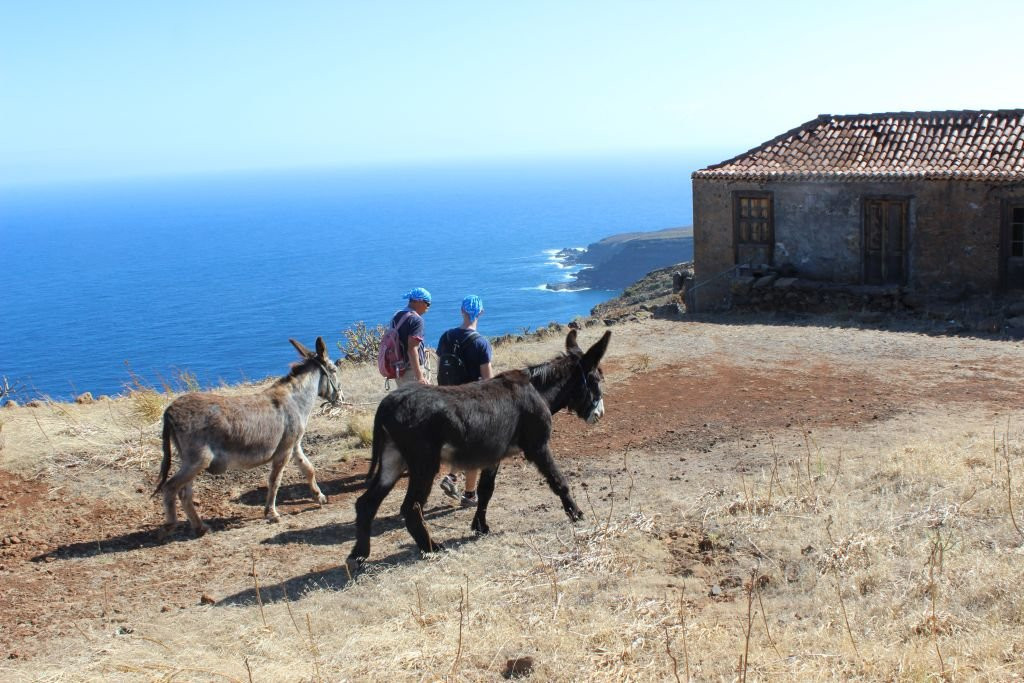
(891, 554)
(147, 405)
(873, 564)
(360, 426)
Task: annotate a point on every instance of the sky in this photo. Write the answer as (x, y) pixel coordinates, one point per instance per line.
(103, 89)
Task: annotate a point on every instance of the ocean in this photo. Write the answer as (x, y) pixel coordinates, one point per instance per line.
(108, 283)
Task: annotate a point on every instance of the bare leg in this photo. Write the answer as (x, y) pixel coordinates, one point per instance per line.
(484, 494)
(307, 469)
(545, 463)
(472, 478)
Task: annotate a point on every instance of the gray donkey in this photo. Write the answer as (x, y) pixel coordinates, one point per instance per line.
(218, 433)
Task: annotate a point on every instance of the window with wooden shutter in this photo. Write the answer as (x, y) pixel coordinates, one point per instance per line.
(754, 228)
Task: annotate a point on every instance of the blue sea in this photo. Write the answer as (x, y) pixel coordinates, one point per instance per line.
(105, 281)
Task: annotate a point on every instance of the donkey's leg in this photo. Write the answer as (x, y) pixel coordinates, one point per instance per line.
(484, 491)
(277, 463)
(392, 466)
(170, 511)
(421, 480)
(190, 510)
(192, 463)
(545, 463)
(307, 469)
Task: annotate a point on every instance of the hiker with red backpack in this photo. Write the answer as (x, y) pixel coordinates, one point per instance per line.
(403, 356)
(464, 356)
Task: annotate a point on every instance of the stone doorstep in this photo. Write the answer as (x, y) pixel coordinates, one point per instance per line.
(785, 282)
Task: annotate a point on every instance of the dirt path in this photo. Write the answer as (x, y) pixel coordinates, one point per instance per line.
(677, 389)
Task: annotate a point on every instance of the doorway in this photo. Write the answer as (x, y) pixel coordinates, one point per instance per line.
(885, 241)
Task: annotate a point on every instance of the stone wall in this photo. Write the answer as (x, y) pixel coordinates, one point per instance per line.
(953, 232)
(991, 314)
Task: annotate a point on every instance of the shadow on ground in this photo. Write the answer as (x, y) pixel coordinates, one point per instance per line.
(134, 540)
(345, 532)
(333, 579)
(300, 492)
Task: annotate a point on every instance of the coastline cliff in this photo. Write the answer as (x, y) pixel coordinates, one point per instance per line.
(620, 260)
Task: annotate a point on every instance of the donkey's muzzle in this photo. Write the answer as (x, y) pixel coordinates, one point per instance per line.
(596, 412)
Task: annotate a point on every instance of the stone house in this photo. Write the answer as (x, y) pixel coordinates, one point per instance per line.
(930, 203)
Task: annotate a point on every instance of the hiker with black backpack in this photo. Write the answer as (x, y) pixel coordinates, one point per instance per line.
(464, 356)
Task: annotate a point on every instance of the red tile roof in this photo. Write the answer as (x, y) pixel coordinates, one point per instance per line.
(963, 145)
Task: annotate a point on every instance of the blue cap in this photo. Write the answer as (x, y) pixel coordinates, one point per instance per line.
(473, 306)
(418, 294)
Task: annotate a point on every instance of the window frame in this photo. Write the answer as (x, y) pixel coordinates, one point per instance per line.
(1009, 206)
(738, 219)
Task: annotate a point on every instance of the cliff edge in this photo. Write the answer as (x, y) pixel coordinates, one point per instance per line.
(620, 260)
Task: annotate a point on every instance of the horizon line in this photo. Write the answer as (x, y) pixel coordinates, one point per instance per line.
(364, 165)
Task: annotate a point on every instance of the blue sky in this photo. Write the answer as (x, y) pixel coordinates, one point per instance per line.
(115, 89)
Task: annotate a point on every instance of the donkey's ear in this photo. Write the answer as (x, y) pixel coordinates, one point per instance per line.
(594, 354)
(321, 348)
(570, 343)
(303, 351)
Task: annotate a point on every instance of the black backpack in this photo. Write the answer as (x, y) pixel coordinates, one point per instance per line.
(450, 367)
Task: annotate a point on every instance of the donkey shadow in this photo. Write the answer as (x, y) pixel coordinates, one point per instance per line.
(343, 532)
(333, 579)
(299, 493)
(135, 540)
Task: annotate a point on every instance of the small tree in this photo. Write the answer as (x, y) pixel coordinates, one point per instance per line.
(360, 343)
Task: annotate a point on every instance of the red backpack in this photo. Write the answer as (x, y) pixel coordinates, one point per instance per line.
(391, 355)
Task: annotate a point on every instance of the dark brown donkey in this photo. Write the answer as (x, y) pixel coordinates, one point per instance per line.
(475, 425)
(220, 433)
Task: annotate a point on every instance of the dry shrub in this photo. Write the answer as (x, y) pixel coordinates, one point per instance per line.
(187, 380)
(642, 364)
(147, 405)
(360, 426)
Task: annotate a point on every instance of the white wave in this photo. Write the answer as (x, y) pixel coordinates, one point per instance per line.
(545, 288)
(555, 258)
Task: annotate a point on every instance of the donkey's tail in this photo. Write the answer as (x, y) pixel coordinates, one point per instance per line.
(379, 436)
(165, 464)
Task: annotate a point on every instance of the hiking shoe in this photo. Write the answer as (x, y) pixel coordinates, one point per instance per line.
(450, 488)
(468, 501)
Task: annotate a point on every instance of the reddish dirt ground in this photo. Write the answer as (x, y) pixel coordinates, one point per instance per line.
(60, 554)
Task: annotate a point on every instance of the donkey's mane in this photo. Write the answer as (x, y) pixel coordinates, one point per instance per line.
(544, 371)
(297, 369)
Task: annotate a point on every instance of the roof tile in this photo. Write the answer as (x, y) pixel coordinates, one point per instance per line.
(971, 145)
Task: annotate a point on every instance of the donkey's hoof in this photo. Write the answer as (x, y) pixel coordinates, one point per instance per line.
(574, 513)
(201, 531)
(354, 564)
(435, 547)
(480, 526)
(322, 499)
(164, 532)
